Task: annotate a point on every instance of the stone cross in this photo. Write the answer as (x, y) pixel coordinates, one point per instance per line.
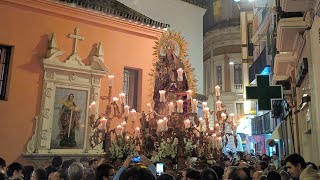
(263, 92)
(77, 37)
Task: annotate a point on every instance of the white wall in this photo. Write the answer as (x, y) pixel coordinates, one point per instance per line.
(182, 17)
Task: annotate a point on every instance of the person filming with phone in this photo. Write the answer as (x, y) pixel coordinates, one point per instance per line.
(136, 167)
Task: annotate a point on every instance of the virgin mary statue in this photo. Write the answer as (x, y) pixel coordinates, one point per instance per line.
(166, 75)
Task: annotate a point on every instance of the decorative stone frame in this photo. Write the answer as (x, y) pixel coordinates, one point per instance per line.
(73, 74)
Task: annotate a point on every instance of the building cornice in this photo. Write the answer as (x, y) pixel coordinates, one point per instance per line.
(57, 8)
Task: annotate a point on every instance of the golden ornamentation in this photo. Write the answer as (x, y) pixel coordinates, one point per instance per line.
(173, 41)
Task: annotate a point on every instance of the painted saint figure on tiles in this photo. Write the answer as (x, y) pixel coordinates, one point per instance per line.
(70, 120)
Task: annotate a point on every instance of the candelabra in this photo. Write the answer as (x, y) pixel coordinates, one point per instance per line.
(172, 119)
(115, 109)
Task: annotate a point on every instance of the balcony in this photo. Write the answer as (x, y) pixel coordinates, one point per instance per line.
(283, 65)
(295, 5)
(289, 27)
(258, 66)
(238, 87)
(262, 124)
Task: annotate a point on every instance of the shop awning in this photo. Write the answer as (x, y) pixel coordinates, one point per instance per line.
(276, 134)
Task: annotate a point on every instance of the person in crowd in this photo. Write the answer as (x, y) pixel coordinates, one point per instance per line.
(137, 173)
(93, 164)
(2, 176)
(145, 162)
(273, 175)
(166, 176)
(85, 162)
(247, 171)
(28, 170)
(55, 165)
(209, 174)
(271, 167)
(275, 161)
(2, 165)
(238, 174)
(284, 175)
(228, 171)
(75, 171)
(314, 166)
(256, 175)
(15, 171)
(192, 174)
(65, 165)
(247, 158)
(219, 170)
(39, 174)
(263, 177)
(105, 172)
(243, 164)
(261, 166)
(60, 175)
(297, 168)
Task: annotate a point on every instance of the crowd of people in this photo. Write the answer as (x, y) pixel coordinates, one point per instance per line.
(234, 167)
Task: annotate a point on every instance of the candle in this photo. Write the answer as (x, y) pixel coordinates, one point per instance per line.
(231, 117)
(217, 91)
(218, 104)
(201, 123)
(180, 74)
(165, 124)
(189, 94)
(194, 106)
(111, 77)
(206, 112)
(104, 123)
(223, 116)
(160, 125)
(204, 104)
(219, 143)
(119, 130)
(187, 123)
(126, 110)
(179, 106)
(121, 97)
(171, 108)
(133, 115)
(162, 95)
(92, 108)
(137, 131)
(115, 99)
(149, 108)
(123, 124)
(213, 140)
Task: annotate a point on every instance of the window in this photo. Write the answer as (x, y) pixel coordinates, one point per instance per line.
(219, 76)
(249, 35)
(5, 53)
(237, 73)
(240, 111)
(130, 87)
